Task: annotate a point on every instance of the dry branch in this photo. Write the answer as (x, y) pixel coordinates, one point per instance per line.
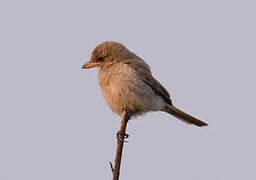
(120, 143)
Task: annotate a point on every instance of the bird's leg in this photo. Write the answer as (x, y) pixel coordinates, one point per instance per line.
(127, 115)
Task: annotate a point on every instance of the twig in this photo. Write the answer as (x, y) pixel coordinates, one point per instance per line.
(120, 142)
(111, 166)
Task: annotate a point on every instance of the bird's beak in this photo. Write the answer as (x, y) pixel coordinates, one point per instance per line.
(90, 64)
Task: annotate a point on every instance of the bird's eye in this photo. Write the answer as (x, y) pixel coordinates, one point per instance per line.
(100, 58)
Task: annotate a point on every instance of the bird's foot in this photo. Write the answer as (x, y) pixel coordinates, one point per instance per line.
(121, 137)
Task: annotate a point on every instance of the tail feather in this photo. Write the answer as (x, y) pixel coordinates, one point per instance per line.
(184, 116)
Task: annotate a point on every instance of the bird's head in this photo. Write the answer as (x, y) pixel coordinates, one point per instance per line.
(108, 52)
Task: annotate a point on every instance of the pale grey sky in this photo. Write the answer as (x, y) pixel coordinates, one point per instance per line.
(54, 123)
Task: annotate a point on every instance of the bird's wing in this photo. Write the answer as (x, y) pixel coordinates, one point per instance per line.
(143, 71)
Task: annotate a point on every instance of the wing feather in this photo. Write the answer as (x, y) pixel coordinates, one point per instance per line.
(143, 71)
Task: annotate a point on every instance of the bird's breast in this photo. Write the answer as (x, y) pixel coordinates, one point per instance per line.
(123, 89)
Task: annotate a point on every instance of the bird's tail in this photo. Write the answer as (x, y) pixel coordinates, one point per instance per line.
(184, 116)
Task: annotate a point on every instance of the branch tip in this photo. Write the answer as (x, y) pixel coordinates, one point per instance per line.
(111, 166)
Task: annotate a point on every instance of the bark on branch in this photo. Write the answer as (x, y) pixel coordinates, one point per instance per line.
(120, 143)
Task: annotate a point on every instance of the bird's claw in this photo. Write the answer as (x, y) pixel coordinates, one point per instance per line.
(122, 138)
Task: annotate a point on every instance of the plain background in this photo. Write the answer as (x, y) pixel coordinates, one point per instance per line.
(55, 124)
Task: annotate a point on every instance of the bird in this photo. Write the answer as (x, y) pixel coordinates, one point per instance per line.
(127, 83)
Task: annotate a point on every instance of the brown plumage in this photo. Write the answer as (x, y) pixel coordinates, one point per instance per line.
(127, 83)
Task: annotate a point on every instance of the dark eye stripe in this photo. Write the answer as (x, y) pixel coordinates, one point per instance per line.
(100, 58)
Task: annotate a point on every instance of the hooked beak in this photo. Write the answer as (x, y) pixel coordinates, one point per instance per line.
(90, 64)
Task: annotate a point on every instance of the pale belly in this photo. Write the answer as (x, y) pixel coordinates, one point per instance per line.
(124, 90)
